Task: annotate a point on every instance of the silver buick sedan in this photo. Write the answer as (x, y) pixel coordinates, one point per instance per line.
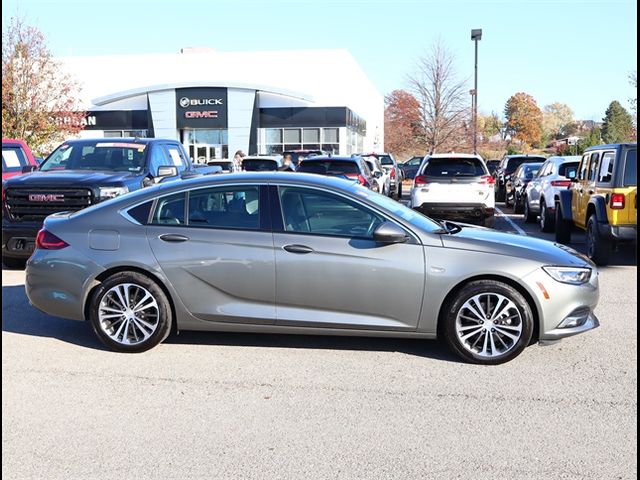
(303, 254)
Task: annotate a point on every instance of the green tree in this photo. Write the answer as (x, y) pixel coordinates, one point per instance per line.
(617, 124)
(524, 119)
(39, 103)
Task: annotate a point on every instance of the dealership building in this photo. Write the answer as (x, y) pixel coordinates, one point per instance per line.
(216, 103)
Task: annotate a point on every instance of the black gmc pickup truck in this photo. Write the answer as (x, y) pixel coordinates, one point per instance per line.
(80, 173)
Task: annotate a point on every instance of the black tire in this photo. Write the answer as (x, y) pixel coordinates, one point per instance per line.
(562, 227)
(529, 216)
(547, 219)
(598, 247)
(399, 191)
(455, 304)
(14, 263)
(162, 319)
(517, 205)
(507, 200)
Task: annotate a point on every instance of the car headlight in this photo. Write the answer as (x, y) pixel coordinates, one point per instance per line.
(571, 275)
(112, 192)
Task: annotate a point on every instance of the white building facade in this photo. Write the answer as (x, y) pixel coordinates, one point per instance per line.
(216, 103)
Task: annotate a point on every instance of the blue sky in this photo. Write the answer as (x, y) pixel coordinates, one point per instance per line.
(574, 52)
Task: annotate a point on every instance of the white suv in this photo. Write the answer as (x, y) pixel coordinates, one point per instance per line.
(540, 196)
(454, 186)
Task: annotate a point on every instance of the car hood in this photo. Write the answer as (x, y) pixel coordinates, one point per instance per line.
(492, 241)
(71, 178)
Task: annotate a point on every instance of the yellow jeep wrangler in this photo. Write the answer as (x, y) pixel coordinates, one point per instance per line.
(602, 200)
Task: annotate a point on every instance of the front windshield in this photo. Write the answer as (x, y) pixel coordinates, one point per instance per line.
(414, 218)
(98, 155)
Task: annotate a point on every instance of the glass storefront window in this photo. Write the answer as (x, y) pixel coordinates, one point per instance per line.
(273, 135)
(277, 140)
(310, 135)
(330, 135)
(292, 135)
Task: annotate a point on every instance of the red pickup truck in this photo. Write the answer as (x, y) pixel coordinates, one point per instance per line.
(15, 156)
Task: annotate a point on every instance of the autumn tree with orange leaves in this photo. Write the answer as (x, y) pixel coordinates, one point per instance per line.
(402, 124)
(39, 100)
(524, 119)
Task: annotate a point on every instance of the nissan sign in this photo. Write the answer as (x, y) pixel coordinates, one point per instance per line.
(201, 107)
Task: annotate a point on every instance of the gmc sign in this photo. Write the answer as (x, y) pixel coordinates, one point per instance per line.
(205, 114)
(46, 197)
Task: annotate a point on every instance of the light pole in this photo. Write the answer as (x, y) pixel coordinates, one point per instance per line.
(476, 34)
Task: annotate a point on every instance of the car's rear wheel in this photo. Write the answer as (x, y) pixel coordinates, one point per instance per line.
(130, 313)
(399, 190)
(529, 216)
(517, 205)
(487, 322)
(598, 247)
(547, 219)
(562, 227)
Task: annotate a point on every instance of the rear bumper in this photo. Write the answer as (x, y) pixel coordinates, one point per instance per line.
(455, 210)
(18, 240)
(625, 233)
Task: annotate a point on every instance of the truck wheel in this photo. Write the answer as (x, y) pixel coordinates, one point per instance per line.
(598, 247)
(547, 220)
(563, 227)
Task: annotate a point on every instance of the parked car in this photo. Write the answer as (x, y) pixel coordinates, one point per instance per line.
(544, 190)
(226, 164)
(506, 168)
(454, 186)
(262, 163)
(208, 253)
(380, 176)
(392, 169)
(16, 158)
(410, 167)
(297, 155)
(492, 165)
(353, 167)
(80, 173)
(602, 200)
(516, 185)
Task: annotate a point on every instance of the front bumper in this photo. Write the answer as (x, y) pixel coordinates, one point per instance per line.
(19, 239)
(558, 303)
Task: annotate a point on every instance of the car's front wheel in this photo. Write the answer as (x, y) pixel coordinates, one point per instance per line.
(487, 322)
(130, 313)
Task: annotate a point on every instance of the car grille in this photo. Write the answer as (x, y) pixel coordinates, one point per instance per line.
(24, 204)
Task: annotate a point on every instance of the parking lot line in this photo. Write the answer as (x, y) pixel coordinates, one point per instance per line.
(511, 222)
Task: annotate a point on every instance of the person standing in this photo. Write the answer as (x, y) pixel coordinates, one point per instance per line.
(287, 164)
(237, 161)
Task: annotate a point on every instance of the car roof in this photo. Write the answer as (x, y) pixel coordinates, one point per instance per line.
(145, 141)
(568, 158)
(262, 157)
(454, 155)
(316, 158)
(610, 145)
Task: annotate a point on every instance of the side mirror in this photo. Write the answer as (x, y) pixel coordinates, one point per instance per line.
(29, 168)
(167, 171)
(389, 232)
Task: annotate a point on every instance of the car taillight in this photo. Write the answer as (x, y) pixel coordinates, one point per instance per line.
(420, 180)
(617, 201)
(487, 180)
(560, 183)
(357, 176)
(48, 241)
(393, 173)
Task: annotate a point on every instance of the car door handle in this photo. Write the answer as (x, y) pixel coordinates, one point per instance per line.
(298, 249)
(173, 238)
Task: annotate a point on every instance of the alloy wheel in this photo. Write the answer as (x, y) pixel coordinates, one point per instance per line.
(489, 325)
(128, 314)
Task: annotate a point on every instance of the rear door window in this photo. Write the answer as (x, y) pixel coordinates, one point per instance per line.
(13, 158)
(170, 210)
(593, 167)
(631, 168)
(606, 167)
(225, 207)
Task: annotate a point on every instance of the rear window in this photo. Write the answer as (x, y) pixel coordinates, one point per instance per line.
(530, 171)
(454, 167)
(514, 163)
(259, 165)
(13, 159)
(101, 155)
(569, 169)
(385, 159)
(631, 168)
(329, 167)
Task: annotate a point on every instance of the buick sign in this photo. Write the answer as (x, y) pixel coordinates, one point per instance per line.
(46, 197)
(195, 102)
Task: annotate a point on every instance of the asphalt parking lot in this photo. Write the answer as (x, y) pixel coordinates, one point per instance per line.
(209, 405)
